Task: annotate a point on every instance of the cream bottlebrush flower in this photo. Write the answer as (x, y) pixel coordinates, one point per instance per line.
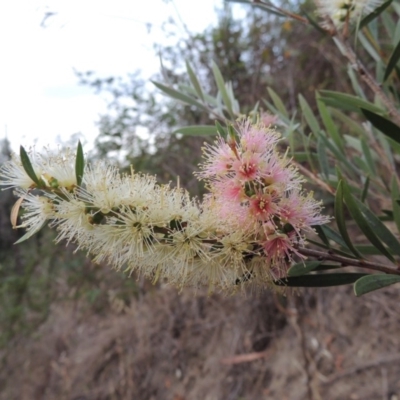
(58, 169)
(52, 170)
(101, 187)
(338, 11)
(125, 239)
(37, 211)
(14, 175)
(72, 220)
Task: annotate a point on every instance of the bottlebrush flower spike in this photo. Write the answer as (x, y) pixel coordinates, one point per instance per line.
(338, 11)
(246, 231)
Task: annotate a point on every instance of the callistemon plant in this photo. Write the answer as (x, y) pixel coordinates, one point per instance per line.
(247, 230)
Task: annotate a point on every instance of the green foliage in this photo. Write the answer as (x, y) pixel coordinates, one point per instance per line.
(26, 163)
(384, 125)
(369, 283)
(79, 164)
(320, 280)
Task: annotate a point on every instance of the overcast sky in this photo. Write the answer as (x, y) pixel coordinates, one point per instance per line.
(40, 99)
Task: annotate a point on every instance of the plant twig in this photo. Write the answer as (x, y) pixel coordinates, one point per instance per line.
(362, 71)
(243, 358)
(390, 358)
(348, 262)
(314, 178)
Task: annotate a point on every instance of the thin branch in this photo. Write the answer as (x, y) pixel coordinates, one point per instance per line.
(348, 262)
(362, 71)
(283, 11)
(313, 177)
(244, 358)
(390, 358)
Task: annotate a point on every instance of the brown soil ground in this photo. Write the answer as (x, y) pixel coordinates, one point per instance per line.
(164, 345)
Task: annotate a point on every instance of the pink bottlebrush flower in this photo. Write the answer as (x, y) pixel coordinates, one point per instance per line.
(229, 190)
(260, 193)
(254, 138)
(301, 211)
(248, 166)
(279, 248)
(268, 119)
(218, 159)
(277, 170)
(263, 205)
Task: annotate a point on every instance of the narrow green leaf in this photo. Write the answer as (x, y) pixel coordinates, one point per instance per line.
(260, 5)
(194, 80)
(361, 164)
(355, 83)
(394, 58)
(303, 268)
(320, 280)
(197, 130)
(388, 23)
(309, 115)
(351, 125)
(189, 90)
(396, 35)
(386, 126)
(362, 222)
(341, 157)
(365, 189)
(393, 146)
(322, 158)
(307, 146)
(369, 283)
(366, 20)
(26, 163)
(387, 145)
(395, 198)
(330, 125)
(368, 250)
(175, 94)
(79, 164)
(271, 107)
(379, 228)
(278, 102)
(321, 234)
(368, 156)
(340, 220)
(334, 236)
(368, 47)
(220, 129)
(219, 80)
(388, 215)
(254, 112)
(347, 102)
(327, 267)
(303, 156)
(275, 111)
(314, 23)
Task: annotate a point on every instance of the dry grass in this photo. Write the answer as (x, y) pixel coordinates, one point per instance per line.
(320, 344)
